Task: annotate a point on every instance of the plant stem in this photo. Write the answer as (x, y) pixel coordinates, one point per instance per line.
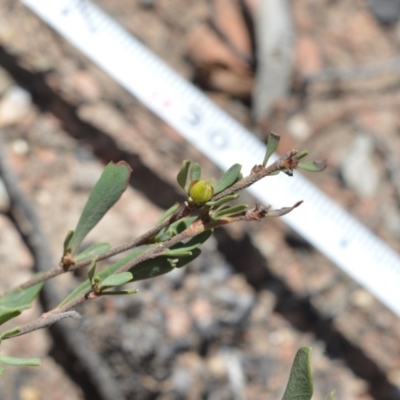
(44, 321)
(284, 163)
(256, 214)
(143, 239)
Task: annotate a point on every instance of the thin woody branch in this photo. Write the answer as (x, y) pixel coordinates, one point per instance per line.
(43, 322)
(143, 239)
(285, 163)
(256, 214)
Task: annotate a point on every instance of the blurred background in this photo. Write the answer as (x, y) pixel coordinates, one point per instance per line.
(325, 74)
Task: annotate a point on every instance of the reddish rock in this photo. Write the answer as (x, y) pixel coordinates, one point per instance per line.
(308, 55)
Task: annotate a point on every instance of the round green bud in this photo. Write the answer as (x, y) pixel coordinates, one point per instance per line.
(201, 191)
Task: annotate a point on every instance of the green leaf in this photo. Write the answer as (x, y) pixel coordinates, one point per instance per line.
(195, 172)
(175, 228)
(152, 268)
(229, 211)
(160, 266)
(228, 179)
(177, 253)
(301, 154)
(92, 271)
(182, 176)
(186, 249)
(67, 241)
(93, 251)
(13, 303)
(2, 370)
(313, 166)
(145, 270)
(222, 201)
(10, 332)
(331, 395)
(118, 292)
(116, 280)
(300, 385)
(7, 315)
(86, 286)
(272, 145)
(167, 213)
(107, 191)
(194, 242)
(182, 261)
(20, 362)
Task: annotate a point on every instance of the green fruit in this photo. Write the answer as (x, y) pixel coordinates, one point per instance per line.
(201, 191)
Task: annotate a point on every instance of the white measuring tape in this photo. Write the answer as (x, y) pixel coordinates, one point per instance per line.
(319, 220)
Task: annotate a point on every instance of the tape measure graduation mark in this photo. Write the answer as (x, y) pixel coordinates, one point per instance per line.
(320, 221)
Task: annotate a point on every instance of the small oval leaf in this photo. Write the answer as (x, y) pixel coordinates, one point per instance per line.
(229, 211)
(272, 145)
(92, 271)
(160, 266)
(118, 292)
(7, 315)
(86, 286)
(151, 268)
(182, 249)
(300, 385)
(67, 240)
(222, 201)
(228, 179)
(313, 166)
(177, 253)
(167, 213)
(182, 177)
(116, 280)
(20, 362)
(93, 251)
(10, 332)
(16, 301)
(195, 172)
(107, 191)
(301, 154)
(194, 242)
(175, 228)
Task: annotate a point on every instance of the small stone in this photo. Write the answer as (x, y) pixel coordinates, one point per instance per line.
(359, 171)
(177, 322)
(298, 127)
(181, 381)
(14, 106)
(86, 85)
(308, 56)
(30, 393)
(20, 147)
(217, 367)
(361, 298)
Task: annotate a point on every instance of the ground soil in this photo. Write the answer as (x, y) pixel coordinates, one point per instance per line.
(228, 326)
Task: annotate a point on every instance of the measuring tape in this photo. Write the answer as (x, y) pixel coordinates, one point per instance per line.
(319, 220)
